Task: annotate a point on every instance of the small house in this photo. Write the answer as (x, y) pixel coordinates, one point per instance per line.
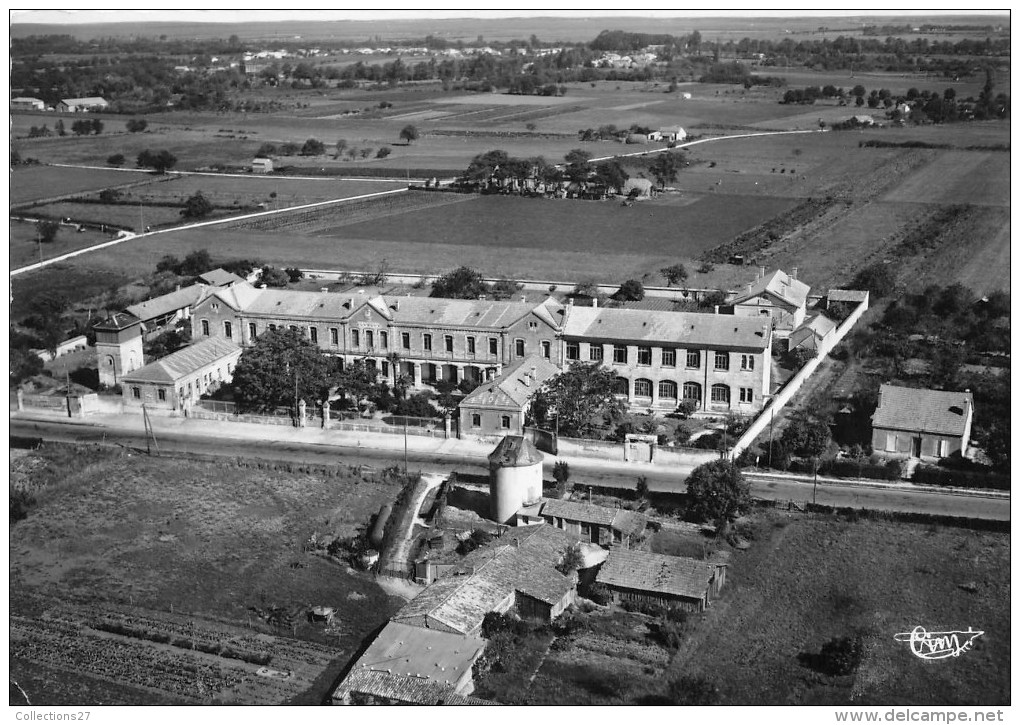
(261, 165)
(640, 188)
(219, 277)
(672, 133)
(499, 407)
(779, 296)
(27, 104)
(179, 379)
(641, 576)
(595, 524)
(165, 312)
(922, 423)
(82, 105)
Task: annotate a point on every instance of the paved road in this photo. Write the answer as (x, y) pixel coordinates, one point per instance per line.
(602, 473)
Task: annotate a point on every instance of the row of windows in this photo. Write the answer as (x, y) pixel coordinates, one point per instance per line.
(667, 356)
(719, 392)
(476, 421)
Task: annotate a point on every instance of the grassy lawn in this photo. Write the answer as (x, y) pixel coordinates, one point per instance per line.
(205, 539)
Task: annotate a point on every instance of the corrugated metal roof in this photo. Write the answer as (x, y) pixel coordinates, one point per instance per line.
(922, 410)
(184, 362)
(512, 389)
(514, 452)
(670, 328)
(779, 284)
(170, 302)
(656, 573)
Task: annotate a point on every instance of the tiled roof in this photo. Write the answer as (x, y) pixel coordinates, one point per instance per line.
(297, 304)
(522, 560)
(117, 321)
(779, 284)
(239, 296)
(512, 389)
(630, 523)
(459, 313)
(847, 295)
(622, 520)
(184, 362)
(922, 410)
(220, 277)
(672, 328)
(656, 573)
(170, 302)
(514, 452)
(410, 690)
(819, 326)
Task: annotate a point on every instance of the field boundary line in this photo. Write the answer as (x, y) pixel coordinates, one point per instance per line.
(197, 225)
(260, 177)
(703, 140)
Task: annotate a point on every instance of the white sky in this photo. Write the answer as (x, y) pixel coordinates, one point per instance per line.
(255, 15)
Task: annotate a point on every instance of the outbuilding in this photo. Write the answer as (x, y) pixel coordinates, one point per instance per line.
(641, 576)
(179, 379)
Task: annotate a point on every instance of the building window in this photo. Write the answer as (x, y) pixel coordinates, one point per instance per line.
(369, 339)
(405, 340)
(180, 393)
(384, 339)
(253, 331)
(228, 330)
(721, 393)
(230, 367)
(519, 347)
(504, 421)
(161, 394)
(694, 358)
(747, 362)
(642, 388)
(493, 346)
(746, 395)
(476, 420)
(532, 325)
(621, 386)
(272, 326)
(595, 352)
(644, 356)
(334, 336)
(573, 351)
(136, 393)
(355, 338)
(722, 361)
(205, 328)
(546, 349)
(470, 345)
(620, 354)
(943, 449)
(668, 357)
(667, 389)
(692, 391)
(293, 328)
(426, 341)
(313, 333)
(385, 369)
(448, 343)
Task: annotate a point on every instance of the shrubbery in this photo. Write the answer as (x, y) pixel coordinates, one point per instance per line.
(938, 476)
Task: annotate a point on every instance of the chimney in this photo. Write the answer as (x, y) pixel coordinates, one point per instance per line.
(749, 286)
(717, 309)
(761, 271)
(570, 302)
(526, 379)
(524, 298)
(594, 301)
(350, 303)
(396, 305)
(534, 375)
(793, 274)
(178, 288)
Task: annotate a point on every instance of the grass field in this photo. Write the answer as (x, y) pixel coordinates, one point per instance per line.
(24, 249)
(29, 183)
(140, 536)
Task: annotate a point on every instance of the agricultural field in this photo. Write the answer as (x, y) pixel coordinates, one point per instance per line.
(192, 574)
(33, 183)
(25, 249)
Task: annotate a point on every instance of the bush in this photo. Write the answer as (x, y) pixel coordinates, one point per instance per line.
(383, 152)
(116, 160)
(313, 147)
(495, 623)
(21, 502)
(598, 593)
(841, 656)
(936, 476)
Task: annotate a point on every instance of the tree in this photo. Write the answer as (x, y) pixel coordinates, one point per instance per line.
(717, 492)
(675, 274)
(136, 125)
(581, 399)
(383, 152)
(313, 147)
(97, 126)
(355, 383)
(571, 561)
(666, 167)
(116, 160)
(578, 165)
(196, 206)
(280, 369)
(462, 283)
(23, 365)
(878, 279)
(807, 438)
(612, 175)
(409, 133)
(195, 263)
(81, 127)
(340, 146)
(59, 127)
(273, 277)
(504, 289)
(47, 230)
(561, 474)
(630, 291)
(161, 161)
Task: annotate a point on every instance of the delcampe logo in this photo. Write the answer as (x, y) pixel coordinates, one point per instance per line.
(938, 645)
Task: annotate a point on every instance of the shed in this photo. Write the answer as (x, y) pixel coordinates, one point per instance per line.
(82, 105)
(596, 524)
(643, 187)
(261, 165)
(813, 334)
(667, 580)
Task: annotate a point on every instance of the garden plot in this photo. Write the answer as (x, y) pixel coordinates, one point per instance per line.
(959, 177)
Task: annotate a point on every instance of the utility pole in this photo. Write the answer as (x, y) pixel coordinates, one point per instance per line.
(772, 425)
(405, 446)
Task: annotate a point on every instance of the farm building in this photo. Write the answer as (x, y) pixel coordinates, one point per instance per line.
(166, 311)
(781, 297)
(79, 342)
(499, 407)
(515, 478)
(412, 665)
(180, 378)
(672, 133)
(27, 104)
(261, 165)
(219, 278)
(922, 423)
(849, 297)
(515, 572)
(82, 105)
(595, 524)
(668, 580)
(642, 186)
(813, 333)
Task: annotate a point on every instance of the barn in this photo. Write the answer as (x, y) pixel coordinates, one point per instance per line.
(641, 576)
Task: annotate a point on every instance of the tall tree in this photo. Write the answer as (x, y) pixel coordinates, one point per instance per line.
(666, 167)
(612, 174)
(196, 206)
(674, 274)
(280, 369)
(580, 401)
(717, 492)
(462, 283)
(409, 133)
(578, 165)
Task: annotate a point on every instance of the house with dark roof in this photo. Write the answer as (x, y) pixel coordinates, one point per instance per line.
(179, 379)
(922, 423)
(778, 297)
(641, 576)
(500, 407)
(600, 525)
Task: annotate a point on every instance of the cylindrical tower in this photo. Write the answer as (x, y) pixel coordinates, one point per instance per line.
(515, 478)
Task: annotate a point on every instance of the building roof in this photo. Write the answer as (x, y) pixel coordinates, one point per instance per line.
(459, 313)
(26, 99)
(405, 655)
(523, 560)
(819, 326)
(220, 277)
(779, 284)
(671, 328)
(170, 302)
(657, 573)
(514, 387)
(89, 101)
(116, 322)
(410, 690)
(622, 520)
(239, 296)
(922, 410)
(184, 362)
(514, 452)
(847, 295)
